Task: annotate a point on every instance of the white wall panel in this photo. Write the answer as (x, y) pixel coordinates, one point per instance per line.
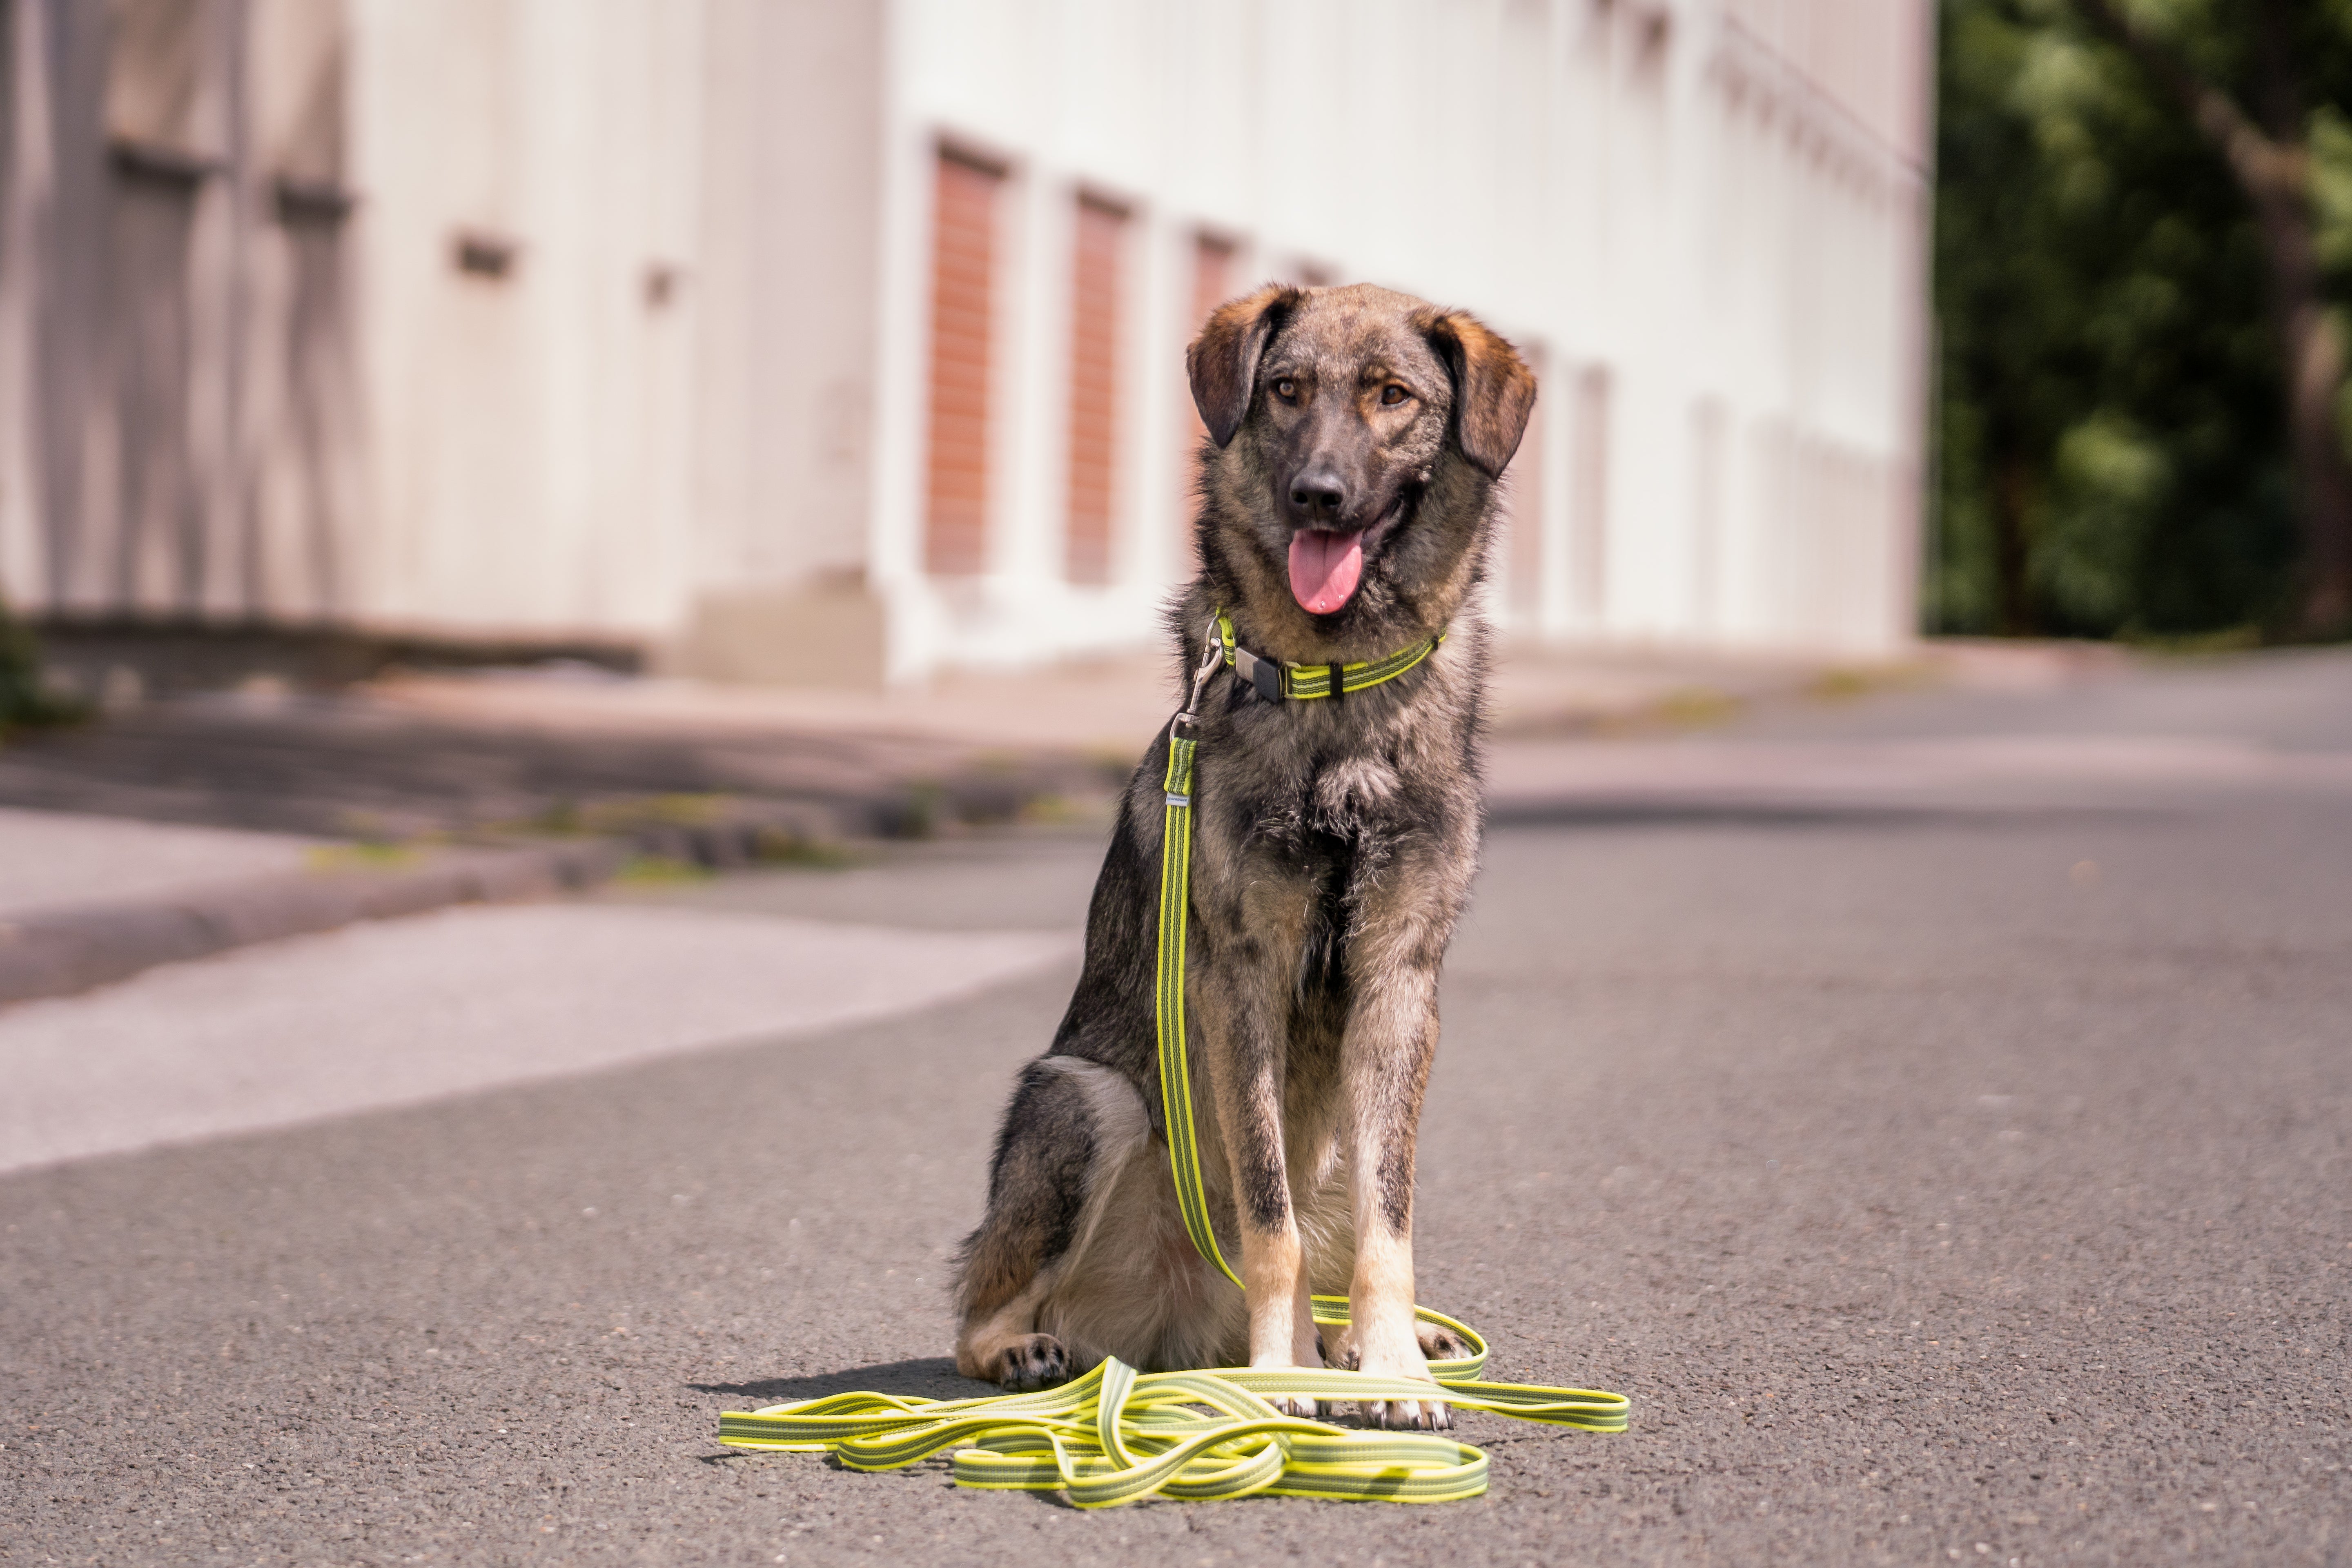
(697, 390)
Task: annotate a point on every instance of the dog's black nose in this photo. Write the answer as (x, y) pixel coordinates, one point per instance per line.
(1319, 498)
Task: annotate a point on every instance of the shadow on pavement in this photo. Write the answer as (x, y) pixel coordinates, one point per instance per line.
(929, 1377)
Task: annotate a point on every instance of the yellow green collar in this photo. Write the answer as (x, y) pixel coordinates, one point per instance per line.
(1276, 680)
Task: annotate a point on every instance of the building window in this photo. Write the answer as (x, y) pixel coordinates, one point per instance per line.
(1101, 239)
(1523, 513)
(1213, 275)
(1213, 264)
(963, 276)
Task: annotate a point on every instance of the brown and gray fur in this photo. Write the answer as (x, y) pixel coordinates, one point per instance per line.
(1333, 846)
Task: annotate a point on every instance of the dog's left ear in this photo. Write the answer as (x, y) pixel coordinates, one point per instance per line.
(1492, 388)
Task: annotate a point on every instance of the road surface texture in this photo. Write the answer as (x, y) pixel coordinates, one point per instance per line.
(1947, 1174)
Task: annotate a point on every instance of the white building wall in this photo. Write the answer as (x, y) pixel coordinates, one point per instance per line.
(688, 412)
(783, 287)
(531, 407)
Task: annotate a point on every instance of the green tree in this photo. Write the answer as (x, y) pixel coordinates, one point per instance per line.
(2140, 379)
(22, 701)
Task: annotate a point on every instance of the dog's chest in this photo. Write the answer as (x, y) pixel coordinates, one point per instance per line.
(1304, 809)
(1295, 801)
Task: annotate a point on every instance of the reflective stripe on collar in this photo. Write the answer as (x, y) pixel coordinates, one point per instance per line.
(1274, 680)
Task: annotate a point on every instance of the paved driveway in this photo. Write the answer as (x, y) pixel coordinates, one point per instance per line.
(1961, 1178)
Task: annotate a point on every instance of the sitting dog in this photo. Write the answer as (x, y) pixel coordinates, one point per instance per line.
(1348, 492)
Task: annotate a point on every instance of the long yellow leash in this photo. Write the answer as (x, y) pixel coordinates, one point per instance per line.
(1118, 1436)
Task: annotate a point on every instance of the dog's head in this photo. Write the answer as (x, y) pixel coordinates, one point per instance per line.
(1359, 434)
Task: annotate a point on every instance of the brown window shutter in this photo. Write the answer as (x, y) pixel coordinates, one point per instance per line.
(963, 255)
(1213, 278)
(1523, 501)
(1094, 386)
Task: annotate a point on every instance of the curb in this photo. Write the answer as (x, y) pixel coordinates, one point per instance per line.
(55, 952)
(58, 952)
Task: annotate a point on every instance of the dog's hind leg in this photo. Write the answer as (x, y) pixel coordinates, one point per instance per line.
(1003, 1347)
(1037, 1189)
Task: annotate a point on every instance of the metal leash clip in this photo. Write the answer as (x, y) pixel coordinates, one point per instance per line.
(1211, 658)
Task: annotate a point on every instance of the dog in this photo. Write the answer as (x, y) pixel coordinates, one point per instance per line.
(1348, 490)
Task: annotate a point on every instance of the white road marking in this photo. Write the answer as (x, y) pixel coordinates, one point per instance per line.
(445, 1003)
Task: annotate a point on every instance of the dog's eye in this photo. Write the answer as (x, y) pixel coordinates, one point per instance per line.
(1286, 389)
(1392, 394)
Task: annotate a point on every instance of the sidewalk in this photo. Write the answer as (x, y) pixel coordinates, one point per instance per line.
(186, 827)
(1107, 709)
(86, 900)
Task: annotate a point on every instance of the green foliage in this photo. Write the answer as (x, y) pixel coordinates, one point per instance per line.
(21, 698)
(2331, 183)
(2112, 447)
(24, 698)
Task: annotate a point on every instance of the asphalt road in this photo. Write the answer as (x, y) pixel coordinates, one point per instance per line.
(1941, 1183)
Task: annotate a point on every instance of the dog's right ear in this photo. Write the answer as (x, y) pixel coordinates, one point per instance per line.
(1224, 359)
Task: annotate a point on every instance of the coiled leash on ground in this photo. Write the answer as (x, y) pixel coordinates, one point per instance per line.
(1118, 1436)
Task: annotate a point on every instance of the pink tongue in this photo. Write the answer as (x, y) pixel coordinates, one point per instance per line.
(1325, 568)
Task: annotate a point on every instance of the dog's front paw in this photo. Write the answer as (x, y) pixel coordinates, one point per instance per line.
(1409, 1416)
(1436, 1345)
(1032, 1362)
(1386, 1358)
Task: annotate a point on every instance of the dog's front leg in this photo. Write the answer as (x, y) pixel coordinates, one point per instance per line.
(1384, 1065)
(1245, 1040)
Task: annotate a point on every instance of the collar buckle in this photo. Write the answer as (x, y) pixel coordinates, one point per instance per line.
(1263, 674)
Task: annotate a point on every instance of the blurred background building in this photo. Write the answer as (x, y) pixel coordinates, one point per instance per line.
(835, 344)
